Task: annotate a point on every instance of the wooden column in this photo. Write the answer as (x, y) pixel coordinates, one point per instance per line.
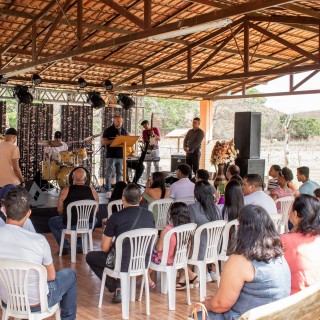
(206, 116)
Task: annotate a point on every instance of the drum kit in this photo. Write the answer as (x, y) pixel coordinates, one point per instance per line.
(62, 169)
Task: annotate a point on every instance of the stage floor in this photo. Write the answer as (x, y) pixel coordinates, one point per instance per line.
(41, 214)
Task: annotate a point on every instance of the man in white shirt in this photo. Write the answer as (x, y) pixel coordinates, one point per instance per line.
(20, 244)
(52, 153)
(253, 193)
(183, 187)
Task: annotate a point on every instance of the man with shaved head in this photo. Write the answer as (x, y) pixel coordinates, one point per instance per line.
(77, 191)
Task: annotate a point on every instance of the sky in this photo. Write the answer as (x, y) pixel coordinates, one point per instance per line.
(293, 104)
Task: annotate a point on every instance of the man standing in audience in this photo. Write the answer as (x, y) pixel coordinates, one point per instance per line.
(78, 191)
(192, 145)
(233, 170)
(308, 186)
(253, 193)
(130, 218)
(10, 172)
(20, 244)
(183, 187)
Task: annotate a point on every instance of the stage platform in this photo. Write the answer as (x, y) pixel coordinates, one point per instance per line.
(41, 214)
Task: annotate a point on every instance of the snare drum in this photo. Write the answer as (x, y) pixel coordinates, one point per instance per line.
(81, 153)
(66, 157)
(63, 176)
(50, 170)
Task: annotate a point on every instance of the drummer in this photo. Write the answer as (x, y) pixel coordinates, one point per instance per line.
(53, 152)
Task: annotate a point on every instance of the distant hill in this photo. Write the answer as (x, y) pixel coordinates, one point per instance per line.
(311, 114)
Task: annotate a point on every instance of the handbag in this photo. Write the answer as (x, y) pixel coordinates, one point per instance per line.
(199, 307)
(111, 256)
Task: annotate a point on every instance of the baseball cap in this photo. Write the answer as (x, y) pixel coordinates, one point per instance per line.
(11, 132)
(58, 134)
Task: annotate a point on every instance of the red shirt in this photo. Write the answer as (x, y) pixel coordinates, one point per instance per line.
(146, 133)
(302, 255)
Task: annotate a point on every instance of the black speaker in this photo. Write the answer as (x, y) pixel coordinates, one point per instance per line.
(37, 196)
(251, 166)
(247, 134)
(177, 159)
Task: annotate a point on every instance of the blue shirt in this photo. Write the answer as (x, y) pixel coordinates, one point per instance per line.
(308, 187)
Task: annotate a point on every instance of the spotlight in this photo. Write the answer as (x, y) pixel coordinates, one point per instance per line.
(22, 94)
(95, 99)
(3, 79)
(108, 85)
(82, 83)
(125, 101)
(36, 79)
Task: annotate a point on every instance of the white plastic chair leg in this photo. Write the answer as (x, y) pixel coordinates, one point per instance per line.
(73, 246)
(57, 315)
(171, 282)
(216, 263)
(187, 285)
(203, 281)
(84, 237)
(125, 294)
(147, 292)
(90, 240)
(164, 283)
(141, 288)
(133, 288)
(103, 281)
(62, 242)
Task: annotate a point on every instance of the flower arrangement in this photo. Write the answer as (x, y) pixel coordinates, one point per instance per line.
(224, 152)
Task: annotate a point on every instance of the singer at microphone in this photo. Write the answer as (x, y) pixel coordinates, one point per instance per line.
(113, 155)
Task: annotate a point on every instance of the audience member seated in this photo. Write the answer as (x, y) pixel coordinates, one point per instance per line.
(178, 215)
(273, 173)
(78, 191)
(130, 218)
(282, 190)
(302, 244)
(183, 187)
(20, 244)
(3, 217)
(233, 202)
(203, 175)
(117, 193)
(317, 193)
(253, 194)
(156, 189)
(256, 272)
(237, 178)
(233, 170)
(308, 186)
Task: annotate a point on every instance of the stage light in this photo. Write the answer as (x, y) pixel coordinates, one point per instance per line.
(36, 79)
(82, 83)
(108, 85)
(125, 101)
(95, 99)
(22, 94)
(3, 79)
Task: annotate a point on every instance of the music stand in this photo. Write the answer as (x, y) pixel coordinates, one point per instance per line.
(124, 142)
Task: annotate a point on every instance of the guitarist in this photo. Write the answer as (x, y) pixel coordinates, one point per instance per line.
(151, 134)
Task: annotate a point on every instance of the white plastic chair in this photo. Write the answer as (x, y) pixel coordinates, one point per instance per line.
(84, 211)
(161, 208)
(141, 241)
(14, 276)
(285, 204)
(168, 273)
(276, 219)
(223, 257)
(213, 231)
(186, 200)
(117, 203)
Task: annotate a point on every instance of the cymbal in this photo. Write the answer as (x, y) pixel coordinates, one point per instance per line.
(49, 143)
(92, 137)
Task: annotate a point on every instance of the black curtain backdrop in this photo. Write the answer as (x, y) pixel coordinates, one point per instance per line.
(3, 110)
(107, 116)
(34, 124)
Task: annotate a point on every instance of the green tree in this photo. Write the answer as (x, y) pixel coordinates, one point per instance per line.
(12, 108)
(254, 101)
(304, 128)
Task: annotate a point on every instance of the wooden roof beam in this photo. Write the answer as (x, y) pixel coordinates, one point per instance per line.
(302, 10)
(285, 19)
(147, 14)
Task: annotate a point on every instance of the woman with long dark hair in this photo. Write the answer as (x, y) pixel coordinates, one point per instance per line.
(233, 201)
(302, 244)
(256, 272)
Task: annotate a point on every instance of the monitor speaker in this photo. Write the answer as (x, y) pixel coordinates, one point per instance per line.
(37, 196)
(247, 134)
(248, 166)
(177, 159)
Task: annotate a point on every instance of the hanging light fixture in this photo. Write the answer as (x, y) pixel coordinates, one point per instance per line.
(95, 99)
(22, 94)
(3, 79)
(108, 85)
(82, 83)
(125, 101)
(36, 79)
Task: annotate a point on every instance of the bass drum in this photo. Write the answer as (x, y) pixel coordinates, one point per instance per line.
(65, 176)
(50, 170)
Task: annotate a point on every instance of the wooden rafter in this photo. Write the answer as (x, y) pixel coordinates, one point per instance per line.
(302, 10)
(79, 22)
(304, 80)
(147, 14)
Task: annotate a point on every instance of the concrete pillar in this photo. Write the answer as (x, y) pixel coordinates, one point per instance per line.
(206, 117)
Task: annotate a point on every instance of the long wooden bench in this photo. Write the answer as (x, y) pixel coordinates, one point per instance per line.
(303, 305)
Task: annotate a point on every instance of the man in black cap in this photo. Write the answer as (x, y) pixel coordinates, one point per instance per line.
(53, 152)
(10, 172)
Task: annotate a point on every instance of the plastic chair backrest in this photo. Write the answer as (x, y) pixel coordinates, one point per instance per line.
(285, 204)
(117, 203)
(276, 219)
(141, 242)
(161, 208)
(213, 231)
(183, 235)
(186, 200)
(84, 211)
(14, 276)
(226, 235)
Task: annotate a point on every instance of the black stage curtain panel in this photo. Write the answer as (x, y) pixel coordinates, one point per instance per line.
(3, 110)
(107, 115)
(34, 124)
